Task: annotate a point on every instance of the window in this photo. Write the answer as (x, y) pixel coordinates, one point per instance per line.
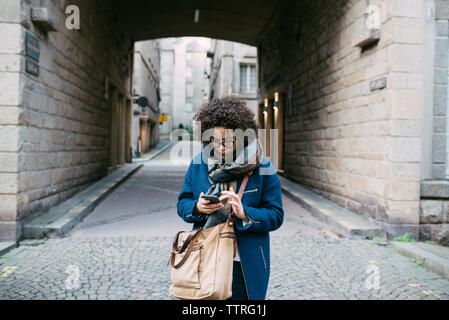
(248, 78)
(189, 56)
(189, 107)
(189, 88)
(189, 72)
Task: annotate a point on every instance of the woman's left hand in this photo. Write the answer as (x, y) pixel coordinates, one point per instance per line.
(236, 203)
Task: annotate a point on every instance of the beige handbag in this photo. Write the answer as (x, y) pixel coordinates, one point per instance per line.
(202, 261)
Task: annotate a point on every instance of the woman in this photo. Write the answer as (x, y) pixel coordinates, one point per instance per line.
(219, 170)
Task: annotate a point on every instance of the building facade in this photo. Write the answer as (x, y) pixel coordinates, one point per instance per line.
(65, 103)
(234, 71)
(197, 80)
(184, 82)
(167, 80)
(362, 89)
(146, 78)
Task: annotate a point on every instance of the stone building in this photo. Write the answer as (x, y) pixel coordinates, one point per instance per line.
(234, 72)
(65, 103)
(167, 67)
(363, 89)
(197, 81)
(184, 83)
(146, 77)
(357, 89)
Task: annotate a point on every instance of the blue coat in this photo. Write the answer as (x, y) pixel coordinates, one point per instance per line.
(262, 202)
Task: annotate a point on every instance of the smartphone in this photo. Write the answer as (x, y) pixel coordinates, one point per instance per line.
(213, 199)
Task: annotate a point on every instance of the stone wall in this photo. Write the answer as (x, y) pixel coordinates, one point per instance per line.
(356, 147)
(55, 127)
(434, 210)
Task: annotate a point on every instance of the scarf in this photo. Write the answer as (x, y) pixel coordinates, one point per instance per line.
(223, 176)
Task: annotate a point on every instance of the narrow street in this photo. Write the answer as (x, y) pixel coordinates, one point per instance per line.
(120, 251)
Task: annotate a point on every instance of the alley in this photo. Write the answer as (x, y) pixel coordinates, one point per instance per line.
(120, 251)
(145, 205)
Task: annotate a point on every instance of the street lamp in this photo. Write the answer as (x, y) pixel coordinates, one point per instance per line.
(265, 107)
(276, 99)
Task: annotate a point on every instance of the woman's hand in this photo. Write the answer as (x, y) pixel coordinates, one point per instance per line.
(204, 205)
(236, 203)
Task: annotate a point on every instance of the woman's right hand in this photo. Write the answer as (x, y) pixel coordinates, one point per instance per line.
(203, 205)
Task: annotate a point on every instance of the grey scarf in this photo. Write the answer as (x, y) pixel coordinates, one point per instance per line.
(223, 176)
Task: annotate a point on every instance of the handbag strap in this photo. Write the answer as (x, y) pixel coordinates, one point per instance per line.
(189, 250)
(188, 243)
(243, 185)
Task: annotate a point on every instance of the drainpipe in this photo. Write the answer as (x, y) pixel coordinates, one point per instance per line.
(232, 93)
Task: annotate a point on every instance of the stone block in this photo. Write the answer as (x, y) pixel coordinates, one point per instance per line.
(8, 183)
(11, 11)
(375, 186)
(405, 57)
(439, 148)
(10, 231)
(442, 9)
(11, 88)
(439, 171)
(8, 207)
(440, 100)
(441, 49)
(435, 232)
(12, 40)
(442, 28)
(34, 180)
(403, 212)
(407, 8)
(431, 211)
(441, 76)
(43, 18)
(402, 190)
(405, 171)
(407, 30)
(9, 115)
(439, 124)
(405, 104)
(403, 149)
(9, 162)
(405, 128)
(435, 189)
(10, 62)
(398, 230)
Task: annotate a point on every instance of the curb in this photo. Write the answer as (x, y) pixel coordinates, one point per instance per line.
(63, 217)
(433, 257)
(349, 223)
(6, 246)
(154, 154)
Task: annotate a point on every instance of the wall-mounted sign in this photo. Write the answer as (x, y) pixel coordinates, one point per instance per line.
(163, 118)
(378, 84)
(32, 67)
(144, 116)
(32, 50)
(32, 47)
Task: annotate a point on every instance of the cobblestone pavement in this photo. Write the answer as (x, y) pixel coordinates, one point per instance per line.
(135, 268)
(113, 256)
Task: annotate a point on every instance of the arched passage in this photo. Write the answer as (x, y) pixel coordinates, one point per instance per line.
(350, 80)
